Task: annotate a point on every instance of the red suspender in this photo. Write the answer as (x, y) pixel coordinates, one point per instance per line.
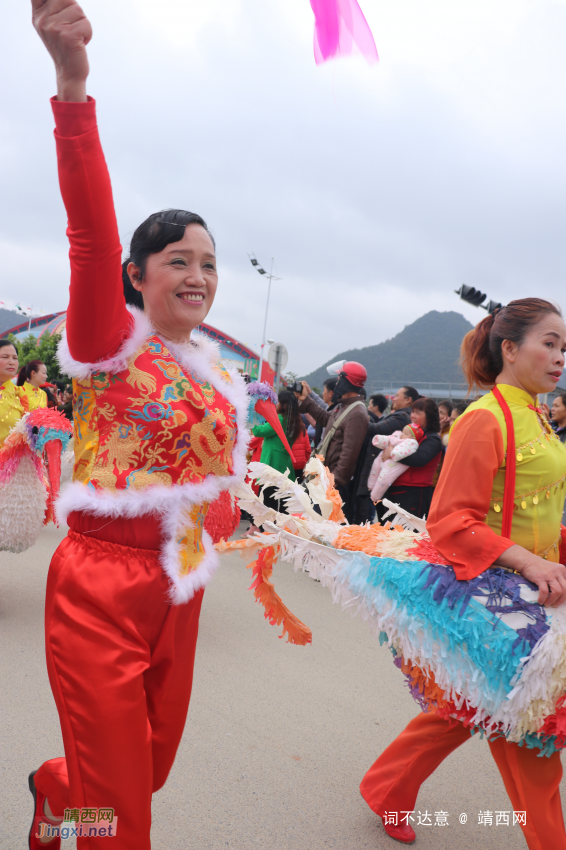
(510, 467)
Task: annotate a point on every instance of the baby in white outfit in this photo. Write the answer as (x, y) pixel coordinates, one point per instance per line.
(385, 472)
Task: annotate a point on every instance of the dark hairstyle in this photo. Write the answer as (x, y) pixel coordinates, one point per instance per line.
(151, 237)
(5, 342)
(362, 392)
(430, 408)
(330, 384)
(461, 406)
(481, 356)
(292, 422)
(447, 404)
(411, 393)
(25, 372)
(379, 401)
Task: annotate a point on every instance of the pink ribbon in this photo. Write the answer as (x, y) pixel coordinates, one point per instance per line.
(338, 26)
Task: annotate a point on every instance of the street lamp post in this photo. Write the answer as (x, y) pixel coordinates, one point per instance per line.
(270, 277)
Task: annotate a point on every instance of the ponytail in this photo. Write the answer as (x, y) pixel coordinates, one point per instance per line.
(481, 355)
(25, 372)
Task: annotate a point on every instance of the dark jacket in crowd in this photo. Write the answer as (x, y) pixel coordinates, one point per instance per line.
(395, 421)
(345, 446)
(413, 490)
(422, 464)
(560, 432)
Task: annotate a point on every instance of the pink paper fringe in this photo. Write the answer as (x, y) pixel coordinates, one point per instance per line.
(339, 25)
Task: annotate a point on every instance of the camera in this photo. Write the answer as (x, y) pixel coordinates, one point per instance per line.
(296, 387)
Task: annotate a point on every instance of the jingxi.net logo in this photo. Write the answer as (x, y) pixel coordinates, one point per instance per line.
(82, 823)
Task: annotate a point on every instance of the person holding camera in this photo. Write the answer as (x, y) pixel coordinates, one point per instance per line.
(345, 426)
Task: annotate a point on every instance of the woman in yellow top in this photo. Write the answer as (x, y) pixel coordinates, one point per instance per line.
(12, 407)
(498, 502)
(30, 379)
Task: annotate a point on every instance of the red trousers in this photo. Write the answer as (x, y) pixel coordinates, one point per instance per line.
(393, 781)
(120, 660)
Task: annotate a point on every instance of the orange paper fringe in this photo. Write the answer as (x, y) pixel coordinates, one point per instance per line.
(275, 611)
(363, 538)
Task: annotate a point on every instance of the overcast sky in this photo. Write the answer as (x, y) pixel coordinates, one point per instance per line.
(378, 189)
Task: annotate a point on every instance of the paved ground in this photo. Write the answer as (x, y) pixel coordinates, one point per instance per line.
(278, 736)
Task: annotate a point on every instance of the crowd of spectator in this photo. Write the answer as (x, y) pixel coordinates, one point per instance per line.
(342, 424)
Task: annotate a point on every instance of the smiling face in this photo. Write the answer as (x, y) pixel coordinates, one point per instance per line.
(401, 400)
(179, 284)
(536, 364)
(8, 363)
(418, 417)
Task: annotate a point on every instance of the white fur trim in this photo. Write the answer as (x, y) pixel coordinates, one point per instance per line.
(183, 588)
(198, 357)
(140, 330)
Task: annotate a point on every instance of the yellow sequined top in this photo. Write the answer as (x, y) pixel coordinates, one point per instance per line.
(466, 513)
(36, 396)
(11, 408)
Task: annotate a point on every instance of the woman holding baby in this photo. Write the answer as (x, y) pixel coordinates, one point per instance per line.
(412, 488)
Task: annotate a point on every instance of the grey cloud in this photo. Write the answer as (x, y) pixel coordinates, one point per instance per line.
(377, 200)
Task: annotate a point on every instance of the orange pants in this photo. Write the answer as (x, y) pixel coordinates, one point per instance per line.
(120, 660)
(393, 781)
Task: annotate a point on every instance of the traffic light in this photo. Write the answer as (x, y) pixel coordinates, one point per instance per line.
(475, 297)
(492, 306)
(471, 295)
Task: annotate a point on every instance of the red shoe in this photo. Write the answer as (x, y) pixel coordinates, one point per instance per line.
(403, 833)
(39, 817)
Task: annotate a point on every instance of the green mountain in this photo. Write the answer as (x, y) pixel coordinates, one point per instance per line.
(426, 350)
(8, 319)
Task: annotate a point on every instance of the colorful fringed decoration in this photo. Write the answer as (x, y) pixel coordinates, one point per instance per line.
(277, 613)
(30, 473)
(223, 517)
(480, 652)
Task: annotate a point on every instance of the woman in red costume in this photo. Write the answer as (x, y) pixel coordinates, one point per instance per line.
(480, 518)
(159, 434)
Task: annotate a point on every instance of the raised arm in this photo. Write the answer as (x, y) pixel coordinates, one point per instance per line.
(97, 319)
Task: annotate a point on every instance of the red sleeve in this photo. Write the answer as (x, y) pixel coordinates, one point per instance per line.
(462, 497)
(97, 319)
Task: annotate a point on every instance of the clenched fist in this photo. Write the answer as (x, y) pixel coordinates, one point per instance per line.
(65, 31)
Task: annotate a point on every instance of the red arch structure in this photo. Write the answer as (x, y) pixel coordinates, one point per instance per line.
(230, 348)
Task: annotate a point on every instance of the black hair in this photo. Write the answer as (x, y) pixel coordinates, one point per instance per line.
(447, 404)
(293, 424)
(430, 408)
(330, 384)
(25, 372)
(151, 237)
(411, 393)
(362, 392)
(461, 406)
(5, 342)
(379, 401)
